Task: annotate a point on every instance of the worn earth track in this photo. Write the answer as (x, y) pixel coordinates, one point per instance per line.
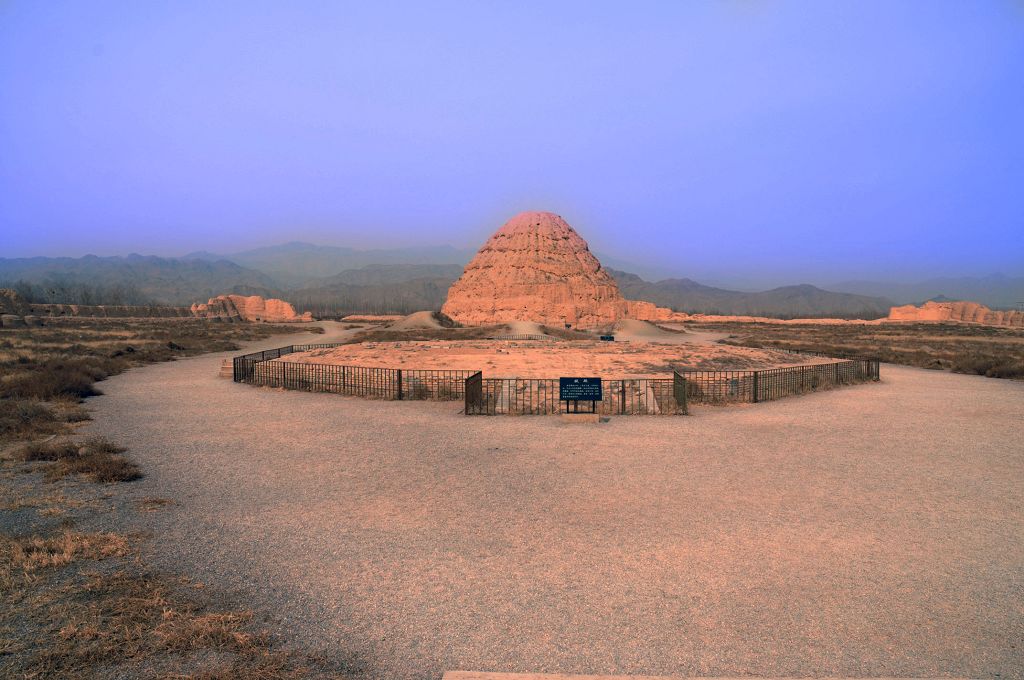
(875, 530)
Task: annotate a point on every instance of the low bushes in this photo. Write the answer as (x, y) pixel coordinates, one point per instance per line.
(58, 378)
(96, 458)
(995, 352)
(992, 367)
(20, 416)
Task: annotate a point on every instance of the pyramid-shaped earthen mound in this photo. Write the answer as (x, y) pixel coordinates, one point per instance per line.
(535, 268)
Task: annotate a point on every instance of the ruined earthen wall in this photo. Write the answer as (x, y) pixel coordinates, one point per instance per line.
(971, 312)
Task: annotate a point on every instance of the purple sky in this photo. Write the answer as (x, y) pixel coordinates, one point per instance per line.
(737, 141)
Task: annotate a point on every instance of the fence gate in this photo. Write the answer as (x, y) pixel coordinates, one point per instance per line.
(475, 394)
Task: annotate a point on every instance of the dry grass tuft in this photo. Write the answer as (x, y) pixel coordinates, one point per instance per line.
(49, 451)
(97, 458)
(153, 504)
(19, 417)
(123, 622)
(97, 444)
(35, 552)
(269, 666)
(70, 411)
(100, 467)
(180, 631)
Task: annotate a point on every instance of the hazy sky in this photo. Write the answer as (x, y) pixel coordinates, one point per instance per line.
(745, 141)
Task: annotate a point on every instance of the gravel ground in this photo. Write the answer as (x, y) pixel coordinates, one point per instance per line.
(872, 530)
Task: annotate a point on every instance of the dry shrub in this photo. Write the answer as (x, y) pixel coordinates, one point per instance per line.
(446, 321)
(69, 410)
(992, 367)
(97, 444)
(49, 451)
(36, 552)
(55, 378)
(79, 415)
(97, 458)
(23, 416)
(100, 467)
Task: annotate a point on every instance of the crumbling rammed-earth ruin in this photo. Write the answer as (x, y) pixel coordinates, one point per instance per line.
(537, 268)
(970, 312)
(249, 308)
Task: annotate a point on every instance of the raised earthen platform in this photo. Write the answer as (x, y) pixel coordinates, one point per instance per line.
(539, 359)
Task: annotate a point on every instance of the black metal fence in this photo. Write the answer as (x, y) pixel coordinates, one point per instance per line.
(722, 387)
(260, 368)
(525, 336)
(539, 396)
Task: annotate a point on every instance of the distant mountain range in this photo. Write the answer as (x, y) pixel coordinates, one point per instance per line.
(382, 274)
(329, 280)
(995, 291)
(297, 264)
(787, 302)
(134, 279)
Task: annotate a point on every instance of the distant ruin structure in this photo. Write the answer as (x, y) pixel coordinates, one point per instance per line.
(249, 308)
(969, 312)
(15, 312)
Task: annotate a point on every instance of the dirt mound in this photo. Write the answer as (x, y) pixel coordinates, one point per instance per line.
(420, 321)
(525, 328)
(631, 329)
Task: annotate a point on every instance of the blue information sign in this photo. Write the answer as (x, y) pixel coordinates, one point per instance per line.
(579, 389)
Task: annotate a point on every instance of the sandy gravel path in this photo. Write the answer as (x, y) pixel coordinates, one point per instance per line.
(876, 530)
